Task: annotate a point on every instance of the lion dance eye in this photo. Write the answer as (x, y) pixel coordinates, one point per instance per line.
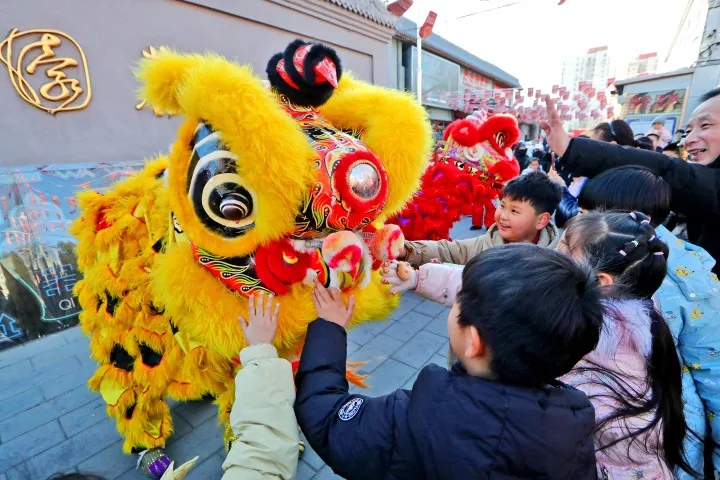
(236, 206)
(222, 200)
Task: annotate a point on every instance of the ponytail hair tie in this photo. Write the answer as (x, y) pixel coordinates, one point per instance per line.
(634, 217)
(651, 238)
(659, 253)
(645, 222)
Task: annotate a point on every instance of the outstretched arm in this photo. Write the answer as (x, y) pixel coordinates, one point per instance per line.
(353, 434)
(694, 187)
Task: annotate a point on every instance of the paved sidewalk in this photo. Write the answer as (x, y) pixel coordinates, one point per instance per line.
(50, 422)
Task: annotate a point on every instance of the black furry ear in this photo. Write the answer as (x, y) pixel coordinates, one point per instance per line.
(317, 54)
(306, 90)
(276, 80)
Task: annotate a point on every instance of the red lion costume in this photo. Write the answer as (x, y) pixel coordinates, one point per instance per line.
(466, 178)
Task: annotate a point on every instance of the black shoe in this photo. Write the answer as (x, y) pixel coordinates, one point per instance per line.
(476, 228)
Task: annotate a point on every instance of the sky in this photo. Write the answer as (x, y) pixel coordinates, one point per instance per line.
(530, 39)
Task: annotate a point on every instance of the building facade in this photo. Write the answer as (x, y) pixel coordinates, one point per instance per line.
(113, 36)
(452, 78)
(683, 51)
(644, 64)
(593, 67)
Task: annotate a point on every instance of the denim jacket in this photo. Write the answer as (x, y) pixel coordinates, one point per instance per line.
(690, 303)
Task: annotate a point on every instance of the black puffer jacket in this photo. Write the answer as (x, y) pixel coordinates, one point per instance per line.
(450, 426)
(695, 188)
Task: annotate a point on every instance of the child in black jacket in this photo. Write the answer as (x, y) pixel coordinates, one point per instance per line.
(499, 413)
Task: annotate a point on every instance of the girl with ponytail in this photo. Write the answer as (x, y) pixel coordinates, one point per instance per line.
(633, 376)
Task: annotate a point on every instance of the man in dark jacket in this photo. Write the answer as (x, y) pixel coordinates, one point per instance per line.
(695, 185)
(499, 413)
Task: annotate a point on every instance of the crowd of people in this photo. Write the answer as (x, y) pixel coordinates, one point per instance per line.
(584, 334)
(600, 360)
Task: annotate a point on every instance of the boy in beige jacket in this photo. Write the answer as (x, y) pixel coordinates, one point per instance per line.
(523, 215)
(262, 418)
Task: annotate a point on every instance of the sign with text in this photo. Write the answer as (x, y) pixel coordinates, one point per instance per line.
(48, 69)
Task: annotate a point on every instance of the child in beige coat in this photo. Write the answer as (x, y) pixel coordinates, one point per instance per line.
(266, 444)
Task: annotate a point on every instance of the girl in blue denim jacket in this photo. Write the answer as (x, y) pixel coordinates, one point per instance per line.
(689, 300)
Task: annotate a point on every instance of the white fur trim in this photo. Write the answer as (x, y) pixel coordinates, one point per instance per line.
(367, 270)
(626, 323)
(310, 276)
(334, 279)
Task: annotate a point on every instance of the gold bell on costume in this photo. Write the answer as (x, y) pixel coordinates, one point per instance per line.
(265, 189)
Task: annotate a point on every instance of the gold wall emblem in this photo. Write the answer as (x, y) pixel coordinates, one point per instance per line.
(36, 52)
(151, 53)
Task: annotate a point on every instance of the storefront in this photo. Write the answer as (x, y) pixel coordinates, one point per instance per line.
(663, 95)
(71, 120)
(454, 81)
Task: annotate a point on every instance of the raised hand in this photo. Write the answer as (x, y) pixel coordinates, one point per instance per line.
(263, 320)
(329, 305)
(557, 137)
(400, 275)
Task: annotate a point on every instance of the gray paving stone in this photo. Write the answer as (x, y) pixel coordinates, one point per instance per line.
(67, 382)
(407, 303)
(25, 446)
(27, 350)
(130, 475)
(110, 462)
(409, 299)
(375, 352)
(436, 359)
(20, 403)
(86, 359)
(204, 441)
(180, 425)
(310, 456)
(66, 455)
(419, 349)
(438, 326)
(27, 420)
(16, 371)
(406, 327)
(304, 471)
(16, 378)
(362, 334)
(352, 346)
(327, 474)
(205, 468)
(197, 413)
(3, 476)
(75, 398)
(173, 404)
(443, 351)
(61, 354)
(388, 377)
(73, 334)
(84, 417)
(49, 371)
(430, 308)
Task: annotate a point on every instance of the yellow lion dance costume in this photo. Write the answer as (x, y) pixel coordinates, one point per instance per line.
(264, 189)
